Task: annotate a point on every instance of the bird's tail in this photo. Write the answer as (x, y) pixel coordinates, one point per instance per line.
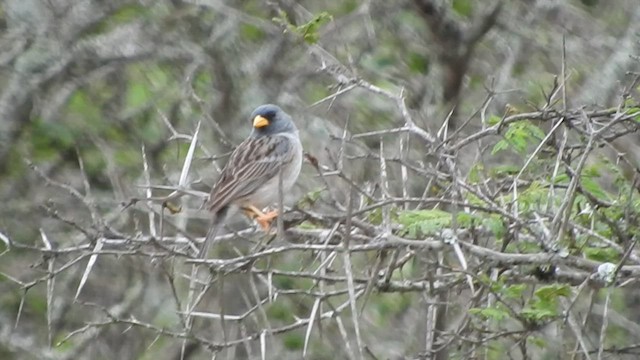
(216, 224)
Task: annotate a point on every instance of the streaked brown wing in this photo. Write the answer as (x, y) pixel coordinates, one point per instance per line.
(251, 164)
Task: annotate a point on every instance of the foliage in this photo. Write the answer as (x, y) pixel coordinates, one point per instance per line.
(307, 31)
(419, 223)
(466, 185)
(519, 137)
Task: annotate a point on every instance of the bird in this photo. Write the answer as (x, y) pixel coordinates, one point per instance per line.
(250, 179)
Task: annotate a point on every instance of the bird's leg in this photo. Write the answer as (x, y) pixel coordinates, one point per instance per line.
(264, 220)
(252, 212)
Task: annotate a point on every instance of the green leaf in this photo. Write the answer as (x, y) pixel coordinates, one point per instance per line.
(544, 304)
(466, 220)
(309, 30)
(636, 111)
(535, 131)
(602, 254)
(519, 143)
(493, 120)
(418, 223)
(594, 188)
(496, 225)
(505, 170)
(492, 313)
(561, 179)
(514, 291)
(475, 172)
(592, 171)
(519, 136)
(499, 146)
(538, 313)
(307, 225)
(553, 291)
(311, 197)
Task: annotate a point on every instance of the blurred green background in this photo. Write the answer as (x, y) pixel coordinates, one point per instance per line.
(86, 85)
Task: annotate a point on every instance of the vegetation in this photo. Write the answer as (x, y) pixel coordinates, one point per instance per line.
(470, 187)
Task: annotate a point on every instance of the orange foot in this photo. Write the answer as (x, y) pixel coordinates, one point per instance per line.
(264, 220)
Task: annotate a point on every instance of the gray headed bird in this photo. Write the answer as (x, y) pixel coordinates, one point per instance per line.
(250, 179)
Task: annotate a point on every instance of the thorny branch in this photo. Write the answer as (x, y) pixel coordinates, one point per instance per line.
(345, 250)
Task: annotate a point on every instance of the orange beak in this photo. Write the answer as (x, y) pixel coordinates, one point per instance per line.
(260, 121)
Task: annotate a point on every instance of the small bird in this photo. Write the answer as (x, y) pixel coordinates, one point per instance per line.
(250, 179)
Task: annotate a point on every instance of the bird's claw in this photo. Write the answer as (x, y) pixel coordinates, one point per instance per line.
(263, 220)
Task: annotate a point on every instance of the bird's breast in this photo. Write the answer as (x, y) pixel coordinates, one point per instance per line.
(268, 193)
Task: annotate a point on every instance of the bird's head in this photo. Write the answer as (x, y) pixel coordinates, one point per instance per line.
(270, 119)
